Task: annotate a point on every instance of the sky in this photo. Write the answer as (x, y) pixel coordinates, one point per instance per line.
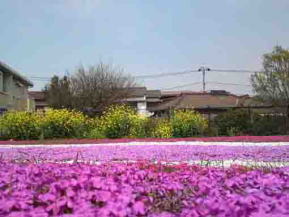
(144, 37)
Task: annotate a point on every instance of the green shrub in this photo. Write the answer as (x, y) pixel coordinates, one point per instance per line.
(95, 129)
(234, 122)
(137, 126)
(63, 123)
(149, 126)
(96, 133)
(116, 122)
(20, 125)
(162, 129)
(188, 123)
(268, 125)
(211, 131)
(232, 131)
(122, 121)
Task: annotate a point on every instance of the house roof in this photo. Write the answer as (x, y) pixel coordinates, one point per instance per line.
(177, 93)
(255, 102)
(200, 100)
(142, 91)
(37, 95)
(153, 94)
(137, 91)
(134, 92)
(5, 68)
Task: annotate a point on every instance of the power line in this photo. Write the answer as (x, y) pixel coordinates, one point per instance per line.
(166, 74)
(201, 69)
(212, 82)
(234, 70)
(39, 79)
(172, 73)
(233, 84)
(180, 86)
(139, 76)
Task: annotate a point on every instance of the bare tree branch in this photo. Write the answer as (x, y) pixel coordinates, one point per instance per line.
(92, 88)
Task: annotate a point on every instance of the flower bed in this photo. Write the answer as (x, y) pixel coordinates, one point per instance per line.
(142, 179)
(167, 153)
(141, 189)
(100, 141)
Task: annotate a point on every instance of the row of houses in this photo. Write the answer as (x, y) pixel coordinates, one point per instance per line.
(160, 103)
(14, 95)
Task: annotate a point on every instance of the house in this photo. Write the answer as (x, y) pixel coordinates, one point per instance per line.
(142, 99)
(39, 99)
(209, 104)
(160, 103)
(14, 90)
(139, 97)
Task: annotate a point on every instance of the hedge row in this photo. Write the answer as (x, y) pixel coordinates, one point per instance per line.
(116, 122)
(53, 124)
(243, 122)
(123, 122)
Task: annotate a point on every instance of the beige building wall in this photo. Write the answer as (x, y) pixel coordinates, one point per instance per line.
(14, 93)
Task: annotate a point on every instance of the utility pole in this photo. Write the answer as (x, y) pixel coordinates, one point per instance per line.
(204, 70)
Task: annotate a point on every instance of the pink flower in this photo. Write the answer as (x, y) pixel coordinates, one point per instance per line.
(139, 207)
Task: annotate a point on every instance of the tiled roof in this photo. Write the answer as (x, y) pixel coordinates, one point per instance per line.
(137, 91)
(142, 91)
(153, 94)
(254, 102)
(37, 95)
(133, 92)
(177, 93)
(200, 100)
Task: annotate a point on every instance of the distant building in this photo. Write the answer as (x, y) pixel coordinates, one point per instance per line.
(14, 90)
(39, 100)
(208, 103)
(143, 100)
(139, 97)
(160, 103)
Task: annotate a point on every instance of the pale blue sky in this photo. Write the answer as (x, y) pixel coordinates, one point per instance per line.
(46, 37)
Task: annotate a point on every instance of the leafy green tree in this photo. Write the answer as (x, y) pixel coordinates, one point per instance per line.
(272, 83)
(58, 93)
(233, 122)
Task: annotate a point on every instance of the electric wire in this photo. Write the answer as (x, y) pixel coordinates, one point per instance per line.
(233, 70)
(160, 75)
(165, 74)
(181, 86)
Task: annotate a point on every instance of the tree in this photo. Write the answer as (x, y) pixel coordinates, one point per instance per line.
(272, 83)
(90, 89)
(57, 93)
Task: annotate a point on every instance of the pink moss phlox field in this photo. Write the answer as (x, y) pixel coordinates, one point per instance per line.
(141, 189)
(166, 153)
(124, 140)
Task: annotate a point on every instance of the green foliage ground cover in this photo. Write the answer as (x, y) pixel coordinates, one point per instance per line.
(243, 122)
(124, 122)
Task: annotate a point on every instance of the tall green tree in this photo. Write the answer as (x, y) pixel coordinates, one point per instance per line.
(272, 83)
(58, 93)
